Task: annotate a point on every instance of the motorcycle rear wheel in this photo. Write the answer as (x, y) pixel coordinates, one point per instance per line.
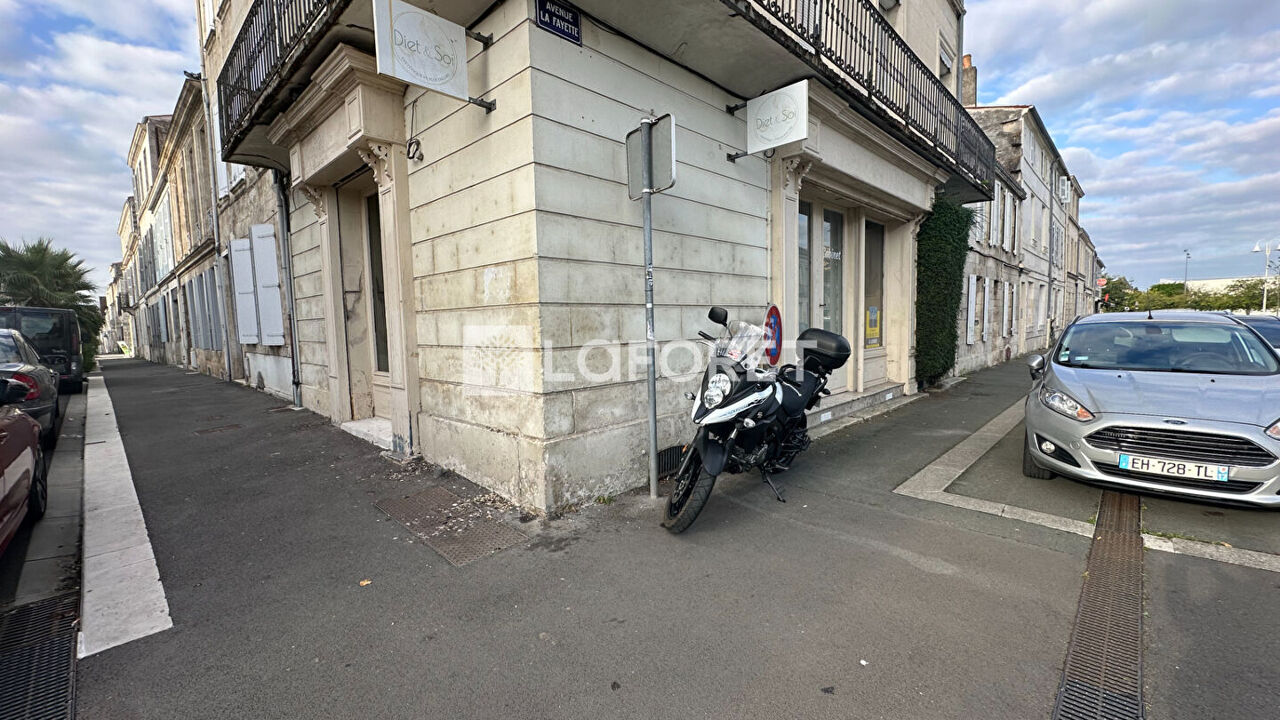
(688, 497)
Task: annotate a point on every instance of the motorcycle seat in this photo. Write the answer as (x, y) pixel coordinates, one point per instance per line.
(797, 388)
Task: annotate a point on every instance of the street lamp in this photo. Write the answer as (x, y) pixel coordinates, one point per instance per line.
(1185, 267)
(1266, 269)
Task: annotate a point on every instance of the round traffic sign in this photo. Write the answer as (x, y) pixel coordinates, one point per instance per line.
(773, 323)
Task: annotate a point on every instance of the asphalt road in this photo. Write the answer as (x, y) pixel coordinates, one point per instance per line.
(846, 601)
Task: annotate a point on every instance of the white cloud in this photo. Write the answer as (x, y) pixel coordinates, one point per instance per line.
(1160, 108)
(68, 107)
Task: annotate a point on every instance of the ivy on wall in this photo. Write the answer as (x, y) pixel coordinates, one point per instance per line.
(941, 246)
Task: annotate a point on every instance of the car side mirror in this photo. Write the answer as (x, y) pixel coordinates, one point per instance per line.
(718, 315)
(1036, 364)
(13, 392)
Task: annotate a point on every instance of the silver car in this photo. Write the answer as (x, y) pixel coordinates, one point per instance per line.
(1169, 402)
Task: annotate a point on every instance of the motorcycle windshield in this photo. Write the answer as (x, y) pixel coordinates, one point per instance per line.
(743, 343)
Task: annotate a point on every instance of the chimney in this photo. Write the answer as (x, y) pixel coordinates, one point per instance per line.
(968, 82)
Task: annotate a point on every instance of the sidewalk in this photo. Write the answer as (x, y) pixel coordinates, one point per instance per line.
(846, 601)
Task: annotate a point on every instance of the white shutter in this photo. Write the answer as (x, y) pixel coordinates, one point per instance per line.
(993, 236)
(1009, 206)
(986, 309)
(267, 273)
(973, 291)
(1013, 317)
(246, 297)
(1008, 309)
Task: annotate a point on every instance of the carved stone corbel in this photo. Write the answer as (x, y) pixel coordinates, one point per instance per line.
(793, 171)
(377, 156)
(315, 196)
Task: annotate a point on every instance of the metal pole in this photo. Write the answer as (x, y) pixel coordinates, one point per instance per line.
(646, 147)
(1266, 276)
(1186, 267)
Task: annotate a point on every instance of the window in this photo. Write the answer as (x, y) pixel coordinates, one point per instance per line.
(833, 271)
(806, 214)
(874, 283)
(382, 357)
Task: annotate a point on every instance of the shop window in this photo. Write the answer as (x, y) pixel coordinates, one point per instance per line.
(833, 271)
(873, 282)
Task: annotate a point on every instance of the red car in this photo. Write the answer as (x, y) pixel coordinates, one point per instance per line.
(24, 471)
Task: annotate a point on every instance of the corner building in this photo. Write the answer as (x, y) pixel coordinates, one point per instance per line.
(462, 280)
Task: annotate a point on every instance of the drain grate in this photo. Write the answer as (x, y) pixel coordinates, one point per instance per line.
(462, 531)
(37, 659)
(669, 460)
(1102, 676)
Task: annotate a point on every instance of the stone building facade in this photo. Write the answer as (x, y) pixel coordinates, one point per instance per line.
(468, 284)
(989, 317)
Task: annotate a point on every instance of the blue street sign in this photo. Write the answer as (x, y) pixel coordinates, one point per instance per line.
(561, 19)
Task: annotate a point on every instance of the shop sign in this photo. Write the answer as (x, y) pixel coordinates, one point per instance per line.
(420, 48)
(778, 118)
(560, 19)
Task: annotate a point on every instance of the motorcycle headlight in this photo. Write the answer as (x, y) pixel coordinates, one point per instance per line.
(720, 382)
(712, 397)
(1064, 404)
(1274, 430)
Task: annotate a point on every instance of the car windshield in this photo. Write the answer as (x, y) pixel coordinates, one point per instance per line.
(1267, 328)
(47, 332)
(1166, 346)
(9, 349)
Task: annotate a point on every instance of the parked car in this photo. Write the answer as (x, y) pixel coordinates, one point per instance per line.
(55, 334)
(24, 478)
(1268, 326)
(20, 362)
(1170, 402)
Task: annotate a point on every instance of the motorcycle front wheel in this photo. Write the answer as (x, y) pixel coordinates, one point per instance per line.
(688, 497)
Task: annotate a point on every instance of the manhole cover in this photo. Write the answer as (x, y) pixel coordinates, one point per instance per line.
(37, 659)
(1102, 677)
(462, 531)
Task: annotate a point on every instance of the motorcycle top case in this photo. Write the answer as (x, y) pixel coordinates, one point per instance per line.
(823, 350)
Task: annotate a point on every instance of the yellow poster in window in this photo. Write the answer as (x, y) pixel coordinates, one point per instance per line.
(872, 331)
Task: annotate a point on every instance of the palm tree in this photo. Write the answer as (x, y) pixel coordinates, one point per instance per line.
(40, 275)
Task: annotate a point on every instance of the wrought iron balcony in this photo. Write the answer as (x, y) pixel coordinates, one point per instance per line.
(274, 36)
(852, 43)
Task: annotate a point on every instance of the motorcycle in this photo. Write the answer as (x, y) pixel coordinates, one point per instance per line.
(748, 414)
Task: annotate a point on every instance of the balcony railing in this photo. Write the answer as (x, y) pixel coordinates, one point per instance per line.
(272, 34)
(860, 45)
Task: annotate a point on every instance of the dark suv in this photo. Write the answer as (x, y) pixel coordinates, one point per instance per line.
(55, 334)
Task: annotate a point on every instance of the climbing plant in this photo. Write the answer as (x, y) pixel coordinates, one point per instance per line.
(941, 246)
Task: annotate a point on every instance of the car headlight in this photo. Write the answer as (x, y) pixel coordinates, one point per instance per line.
(1274, 430)
(712, 397)
(1064, 404)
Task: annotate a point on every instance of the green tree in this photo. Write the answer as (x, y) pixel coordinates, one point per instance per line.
(1121, 293)
(39, 275)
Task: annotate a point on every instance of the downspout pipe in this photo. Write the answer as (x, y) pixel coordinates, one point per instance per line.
(286, 250)
(214, 157)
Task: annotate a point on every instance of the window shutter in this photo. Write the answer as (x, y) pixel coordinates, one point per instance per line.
(1013, 317)
(267, 272)
(1008, 309)
(986, 310)
(246, 297)
(993, 234)
(969, 318)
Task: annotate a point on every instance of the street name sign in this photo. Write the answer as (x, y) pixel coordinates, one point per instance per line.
(420, 48)
(560, 19)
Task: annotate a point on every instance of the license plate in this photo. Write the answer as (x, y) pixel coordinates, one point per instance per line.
(1175, 468)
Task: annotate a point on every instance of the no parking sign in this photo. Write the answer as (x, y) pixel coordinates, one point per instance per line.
(773, 323)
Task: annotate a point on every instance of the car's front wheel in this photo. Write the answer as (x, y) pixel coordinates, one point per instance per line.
(1029, 466)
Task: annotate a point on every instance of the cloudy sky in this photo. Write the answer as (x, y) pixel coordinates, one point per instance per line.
(75, 77)
(1168, 111)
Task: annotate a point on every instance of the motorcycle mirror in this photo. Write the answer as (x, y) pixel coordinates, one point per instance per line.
(718, 315)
